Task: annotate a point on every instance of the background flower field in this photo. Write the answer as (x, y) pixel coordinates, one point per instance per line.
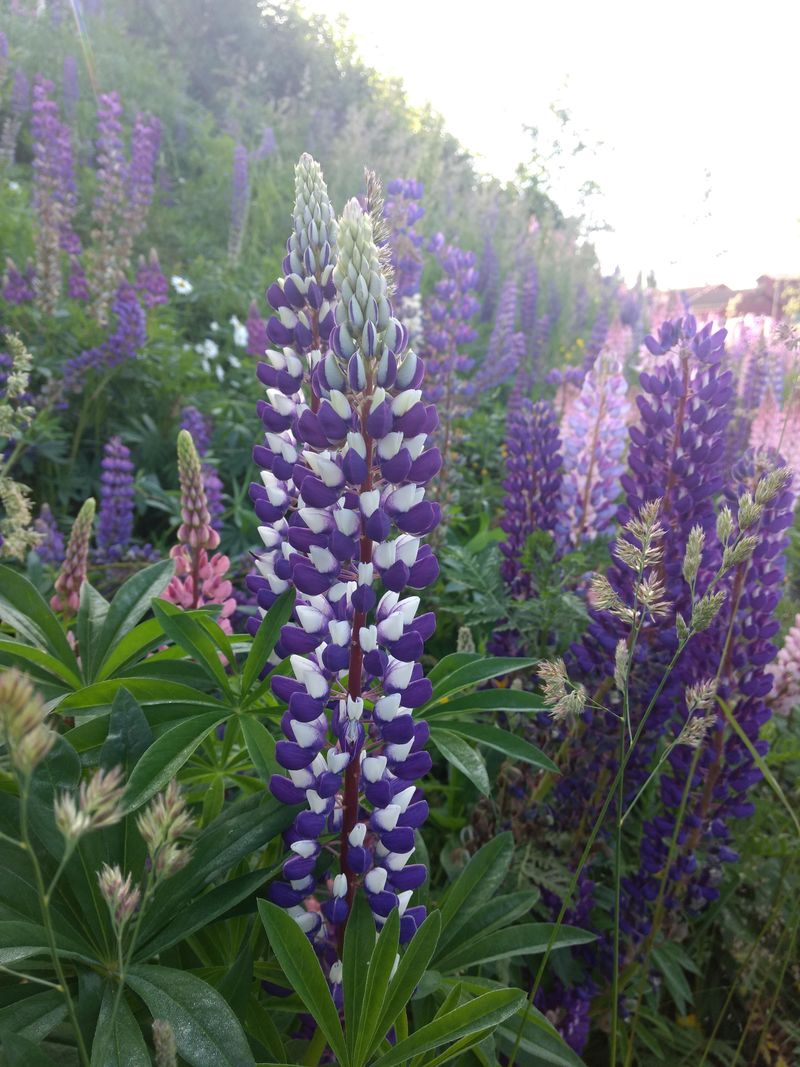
(490, 646)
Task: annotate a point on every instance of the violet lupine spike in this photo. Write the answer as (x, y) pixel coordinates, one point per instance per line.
(72, 575)
(19, 104)
(594, 440)
(240, 195)
(200, 428)
(54, 194)
(530, 299)
(448, 316)
(488, 283)
(256, 332)
(299, 330)
(18, 286)
(151, 283)
(267, 146)
(112, 171)
(200, 574)
(506, 347)
(123, 343)
(70, 87)
(402, 210)
(360, 516)
(115, 517)
(50, 548)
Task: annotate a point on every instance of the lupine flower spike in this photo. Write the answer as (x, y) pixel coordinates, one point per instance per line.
(72, 575)
(355, 659)
(199, 573)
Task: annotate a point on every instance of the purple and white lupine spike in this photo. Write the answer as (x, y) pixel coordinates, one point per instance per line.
(402, 211)
(299, 331)
(115, 517)
(123, 343)
(447, 322)
(506, 347)
(240, 196)
(594, 440)
(50, 548)
(70, 87)
(360, 515)
(256, 332)
(151, 283)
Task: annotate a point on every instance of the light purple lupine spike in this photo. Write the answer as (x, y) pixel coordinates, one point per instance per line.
(151, 283)
(50, 548)
(256, 332)
(70, 87)
(594, 441)
(112, 169)
(124, 341)
(361, 512)
(240, 195)
(506, 346)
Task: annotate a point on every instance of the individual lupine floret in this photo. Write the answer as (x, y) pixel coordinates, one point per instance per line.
(115, 518)
(593, 436)
(200, 575)
(361, 512)
(72, 575)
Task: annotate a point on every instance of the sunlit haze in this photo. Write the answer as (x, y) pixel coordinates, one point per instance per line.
(690, 106)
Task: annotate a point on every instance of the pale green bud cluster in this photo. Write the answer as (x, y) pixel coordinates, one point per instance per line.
(22, 722)
(314, 222)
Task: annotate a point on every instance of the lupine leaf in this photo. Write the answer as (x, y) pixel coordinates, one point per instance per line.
(478, 882)
(137, 642)
(96, 699)
(377, 987)
(207, 1032)
(88, 625)
(24, 608)
(20, 1052)
(470, 674)
(35, 1016)
(129, 606)
(413, 964)
(122, 1044)
(261, 746)
(447, 665)
(36, 662)
(193, 638)
(129, 733)
(482, 1014)
(463, 757)
(505, 699)
(165, 757)
(526, 939)
(504, 741)
(266, 636)
(301, 966)
(359, 941)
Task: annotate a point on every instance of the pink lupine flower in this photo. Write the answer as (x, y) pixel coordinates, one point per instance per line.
(72, 575)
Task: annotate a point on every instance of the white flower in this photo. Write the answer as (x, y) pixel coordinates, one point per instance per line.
(213, 325)
(239, 332)
(234, 362)
(208, 349)
(219, 372)
(14, 187)
(181, 285)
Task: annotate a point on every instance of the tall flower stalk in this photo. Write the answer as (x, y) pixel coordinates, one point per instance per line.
(352, 749)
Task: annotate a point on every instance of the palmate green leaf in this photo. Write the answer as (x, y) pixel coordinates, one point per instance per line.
(526, 939)
(413, 965)
(481, 669)
(96, 699)
(34, 1016)
(300, 965)
(259, 1025)
(207, 1032)
(129, 734)
(20, 1052)
(207, 909)
(21, 940)
(265, 639)
(120, 1045)
(463, 757)
(377, 978)
(88, 624)
(460, 1047)
(24, 608)
(40, 665)
(477, 883)
(675, 980)
(194, 639)
(242, 828)
(261, 746)
(165, 757)
(133, 646)
(478, 1016)
(500, 699)
(504, 741)
(450, 663)
(359, 941)
(129, 606)
(497, 912)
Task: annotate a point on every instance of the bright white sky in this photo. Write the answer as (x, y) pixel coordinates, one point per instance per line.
(695, 105)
